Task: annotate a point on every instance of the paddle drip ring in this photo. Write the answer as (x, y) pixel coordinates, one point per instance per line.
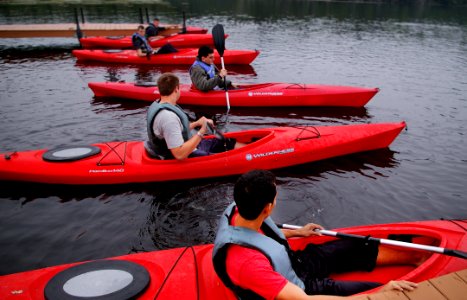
(99, 280)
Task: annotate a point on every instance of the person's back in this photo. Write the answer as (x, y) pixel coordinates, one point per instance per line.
(169, 129)
(153, 28)
(252, 257)
(140, 43)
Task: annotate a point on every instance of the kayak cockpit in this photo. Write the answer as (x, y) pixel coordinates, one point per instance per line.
(252, 139)
(412, 271)
(241, 87)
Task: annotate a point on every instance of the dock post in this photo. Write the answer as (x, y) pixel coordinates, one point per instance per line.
(141, 21)
(184, 22)
(82, 15)
(79, 33)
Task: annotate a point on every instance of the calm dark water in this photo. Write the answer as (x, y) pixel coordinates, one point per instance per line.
(416, 55)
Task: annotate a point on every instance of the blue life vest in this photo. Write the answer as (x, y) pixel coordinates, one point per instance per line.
(209, 69)
(272, 244)
(136, 36)
(155, 146)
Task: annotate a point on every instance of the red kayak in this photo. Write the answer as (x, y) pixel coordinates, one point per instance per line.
(128, 162)
(182, 57)
(246, 95)
(188, 273)
(124, 42)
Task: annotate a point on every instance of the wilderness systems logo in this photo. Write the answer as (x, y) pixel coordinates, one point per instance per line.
(252, 94)
(264, 154)
(120, 170)
(184, 56)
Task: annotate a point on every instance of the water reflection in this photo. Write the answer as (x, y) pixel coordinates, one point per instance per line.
(141, 71)
(196, 210)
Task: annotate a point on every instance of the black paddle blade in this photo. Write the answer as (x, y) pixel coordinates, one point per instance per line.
(456, 253)
(219, 38)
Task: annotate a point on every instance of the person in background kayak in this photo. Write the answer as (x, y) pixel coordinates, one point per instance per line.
(154, 29)
(169, 130)
(204, 74)
(141, 44)
(252, 257)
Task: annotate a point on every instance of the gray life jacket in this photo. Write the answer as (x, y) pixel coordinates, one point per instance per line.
(272, 244)
(155, 146)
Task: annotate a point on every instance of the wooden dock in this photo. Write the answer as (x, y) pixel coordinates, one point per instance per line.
(69, 30)
(452, 286)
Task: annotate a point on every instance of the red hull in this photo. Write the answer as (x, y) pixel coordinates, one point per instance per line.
(183, 284)
(196, 30)
(270, 148)
(182, 57)
(124, 42)
(250, 95)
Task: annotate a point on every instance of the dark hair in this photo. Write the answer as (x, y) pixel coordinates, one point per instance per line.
(253, 191)
(204, 51)
(140, 27)
(167, 84)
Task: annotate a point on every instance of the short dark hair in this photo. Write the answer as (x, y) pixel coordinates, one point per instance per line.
(167, 83)
(204, 51)
(253, 191)
(140, 27)
(156, 19)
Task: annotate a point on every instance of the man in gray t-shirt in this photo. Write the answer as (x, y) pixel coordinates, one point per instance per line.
(169, 130)
(167, 126)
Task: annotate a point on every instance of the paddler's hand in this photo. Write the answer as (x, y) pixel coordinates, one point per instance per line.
(310, 229)
(305, 231)
(400, 285)
(203, 123)
(223, 73)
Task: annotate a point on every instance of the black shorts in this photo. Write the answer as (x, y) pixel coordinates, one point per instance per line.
(211, 146)
(315, 263)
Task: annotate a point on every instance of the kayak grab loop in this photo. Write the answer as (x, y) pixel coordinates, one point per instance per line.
(456, 222)
(70, 153)
(173, 267)
(307, 129)
(7, 156)
(301, 86)
(115, 155)
(99, 280)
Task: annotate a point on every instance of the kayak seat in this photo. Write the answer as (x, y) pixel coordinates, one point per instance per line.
(118, 37)
(70, 153)
(112, 50)
(382, 274)
(145, 84)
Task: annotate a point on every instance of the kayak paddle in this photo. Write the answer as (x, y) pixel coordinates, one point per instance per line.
(445, 251)
(219, 135)
(184, 23)
(219, 43)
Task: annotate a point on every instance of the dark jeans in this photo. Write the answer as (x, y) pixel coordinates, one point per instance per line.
(211, 146)
(315, 263)
(167, 48)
